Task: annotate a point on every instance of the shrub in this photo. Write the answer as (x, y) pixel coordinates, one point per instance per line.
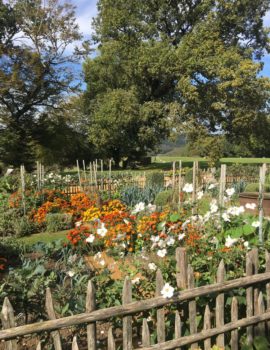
(24, 227)
(254, 187)
(189, 175)
(57, 222)
(163, 198)
(155, 178)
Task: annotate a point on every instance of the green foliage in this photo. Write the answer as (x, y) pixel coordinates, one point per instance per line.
(57, 222)
(155, 178)
(163, 198)
(189, 176)
(132, 195)
(254, 187)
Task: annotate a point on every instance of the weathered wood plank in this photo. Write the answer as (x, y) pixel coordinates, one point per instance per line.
(207, 326)
(91, 306)
(181, 267)
(111, 341)
(51, 314)
(146, 340)
(234, 318)
(220, 304)
(255, 261)
(133, 307)
(75, 344)
(160, 312)
(228, 327)
(177, 327)
(8, 322)
(249, 297)
(127, 320)
(38, 346)
(192, 307)
(260, 328)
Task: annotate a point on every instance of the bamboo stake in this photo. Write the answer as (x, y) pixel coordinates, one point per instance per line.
(79, 174)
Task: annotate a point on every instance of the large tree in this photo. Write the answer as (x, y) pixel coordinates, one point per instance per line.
(199, 61)
(36, 40)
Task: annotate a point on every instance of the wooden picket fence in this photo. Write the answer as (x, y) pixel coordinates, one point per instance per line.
(256, 322)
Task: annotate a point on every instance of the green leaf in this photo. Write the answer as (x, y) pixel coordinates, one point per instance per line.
(161, 225)
(261, 343)
(174, 217)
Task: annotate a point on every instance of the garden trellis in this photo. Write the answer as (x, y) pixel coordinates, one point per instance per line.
(213, 331)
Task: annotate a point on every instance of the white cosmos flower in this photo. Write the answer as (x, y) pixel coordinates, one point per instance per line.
(213, 208)
(170, 241)
(256, 224)
(90, 239)
(151, 207)
(162, 244)
(139, 207)
(230, 241)
(230, 191)
(226, 217)
(161, 252)
(251, 206)
(102, 230)
(188, 188)
(236, 211)
(167, 291)
(154, 239)
(78, 223)
(102, 262)
(211, 186)
(246, 244)
(71, 273)
(181, 236)
(152, 266)
(135, 280)
(200, 195)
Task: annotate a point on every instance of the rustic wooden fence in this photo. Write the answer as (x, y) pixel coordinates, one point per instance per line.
(256, 321)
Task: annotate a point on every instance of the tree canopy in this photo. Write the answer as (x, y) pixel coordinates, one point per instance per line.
(196, 64)
(35, 70)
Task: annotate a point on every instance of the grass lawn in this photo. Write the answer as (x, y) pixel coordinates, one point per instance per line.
(45, 237)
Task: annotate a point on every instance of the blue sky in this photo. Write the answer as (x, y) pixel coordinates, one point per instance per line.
(86, 10)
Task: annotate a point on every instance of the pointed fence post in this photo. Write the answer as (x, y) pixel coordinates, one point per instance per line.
(146, 340)
(220, 305)
(234, 318)
(51, 314)
(91, 306)
(8, 321)
(192, 306)
(160, 312)
(127, 320)
(207, 326)
(111, 341)
(38, 346)
(75, 344)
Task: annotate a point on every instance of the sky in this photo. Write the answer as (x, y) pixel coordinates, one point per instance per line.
(86, 10)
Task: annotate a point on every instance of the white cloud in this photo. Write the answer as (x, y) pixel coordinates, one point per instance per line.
(85, 11)
(266, 20)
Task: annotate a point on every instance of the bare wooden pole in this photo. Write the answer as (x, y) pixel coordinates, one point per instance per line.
(146, 340)
(180, 183)
(207, 326)
(79, 173)
(261, 196)
(22, 170)
(192, 307)
(181, 267)
(222, 184)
